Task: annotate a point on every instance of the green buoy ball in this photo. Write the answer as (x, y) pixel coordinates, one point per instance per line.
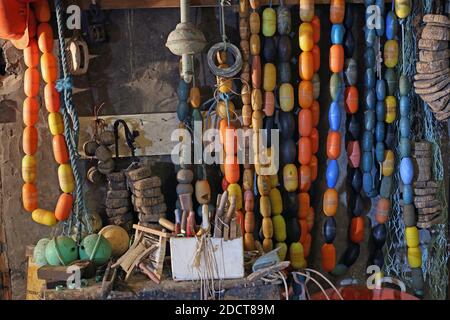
(61, 250)
(96, 248)
(339, 270)
(39, 252)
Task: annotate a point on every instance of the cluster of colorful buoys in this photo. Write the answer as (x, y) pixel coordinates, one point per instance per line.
(285, 99)
(225, 110)
(185, 175)
(353, 129)
(257, 121)
(49, 71)
(373, 120)
(331, 197)
(247, 176)
(402, 11)
(308, 117)
(269, 77)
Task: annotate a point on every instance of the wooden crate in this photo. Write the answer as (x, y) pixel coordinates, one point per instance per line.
(229, 256)
(34, 284)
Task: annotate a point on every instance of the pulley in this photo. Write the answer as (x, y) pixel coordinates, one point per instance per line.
(78, 55)
(94, 21)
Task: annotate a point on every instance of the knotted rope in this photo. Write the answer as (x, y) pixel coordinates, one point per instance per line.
(71, 128)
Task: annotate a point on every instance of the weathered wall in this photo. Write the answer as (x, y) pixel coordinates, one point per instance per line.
(135, 73)
(20, 230)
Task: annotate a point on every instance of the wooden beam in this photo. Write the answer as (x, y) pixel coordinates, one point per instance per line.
(154, 132)
(154, 4)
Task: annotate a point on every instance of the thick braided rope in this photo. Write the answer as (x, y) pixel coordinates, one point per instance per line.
(71, 124)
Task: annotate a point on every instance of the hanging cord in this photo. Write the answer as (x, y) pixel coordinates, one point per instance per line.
(276, 276)
(326, 279)
(225, 45)
(98, 123)
(71, 126)
(308, 277)
(223, 34)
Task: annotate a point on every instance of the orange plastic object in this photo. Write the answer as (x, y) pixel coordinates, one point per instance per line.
(45, 37)
(304, 203)
(51, 98)
(357, 229)
(29, 197)
(30, 111)
(304, 178)
(305, 94)
(328, 257)
(231, 168)
(316, 29)
(333, 145)
(304, 150)
(30, 140)
(314, 140)
(60, 149)
(256, 72)
(337, 11)
(315, 109)
(305, 122)
(330, 202)
(355, 292)
(382, 211)
(316, 58)
(31, 54)
(49, 67)
(314, 167)
(336, 58)
(306, 65)
(351, 99)
(64, 206)
(31, 82)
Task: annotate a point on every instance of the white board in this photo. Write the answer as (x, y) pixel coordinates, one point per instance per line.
(154, 138)
(229, 256)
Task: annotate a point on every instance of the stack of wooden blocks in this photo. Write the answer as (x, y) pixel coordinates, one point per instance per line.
(147, 198)
(432, 81)
(118, 204)
(425, 189)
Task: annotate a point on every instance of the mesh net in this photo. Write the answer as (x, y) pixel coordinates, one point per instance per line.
(424, 126)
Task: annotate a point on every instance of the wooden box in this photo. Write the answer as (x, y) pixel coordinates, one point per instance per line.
(228, 255)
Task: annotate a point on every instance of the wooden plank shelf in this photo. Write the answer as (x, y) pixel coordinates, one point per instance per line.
(154, 4)
(154, 133)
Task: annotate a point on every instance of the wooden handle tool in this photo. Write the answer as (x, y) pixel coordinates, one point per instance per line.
(190, 227)
(169, 225)
(177, 221)
(183, 222)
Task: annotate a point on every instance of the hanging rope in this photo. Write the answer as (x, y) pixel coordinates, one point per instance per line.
(71, 128)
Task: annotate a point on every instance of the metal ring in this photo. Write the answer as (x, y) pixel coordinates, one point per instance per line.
(225, 72)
